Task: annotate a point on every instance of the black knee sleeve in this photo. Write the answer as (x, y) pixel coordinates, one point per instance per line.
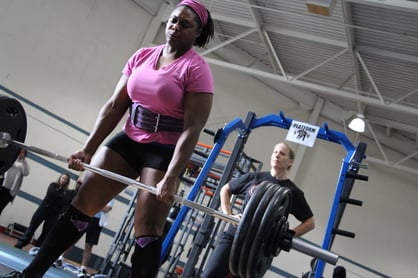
(145, 260)
(67, 231)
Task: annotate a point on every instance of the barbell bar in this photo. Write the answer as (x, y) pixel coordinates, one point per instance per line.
(297, 244)
(13, 126)
(5, 140)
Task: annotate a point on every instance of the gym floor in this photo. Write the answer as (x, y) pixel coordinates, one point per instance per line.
(14, 259)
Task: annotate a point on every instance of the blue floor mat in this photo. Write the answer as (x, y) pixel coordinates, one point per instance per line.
(15, 259)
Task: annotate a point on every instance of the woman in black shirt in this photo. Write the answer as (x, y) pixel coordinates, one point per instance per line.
(57, 197)
(281, 161)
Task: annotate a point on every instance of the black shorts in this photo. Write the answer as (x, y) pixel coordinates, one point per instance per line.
(141, 155)
(93, 231)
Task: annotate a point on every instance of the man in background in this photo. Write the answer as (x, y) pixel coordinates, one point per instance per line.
(12, 180)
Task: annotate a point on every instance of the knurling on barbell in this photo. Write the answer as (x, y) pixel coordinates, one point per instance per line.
(261, 233)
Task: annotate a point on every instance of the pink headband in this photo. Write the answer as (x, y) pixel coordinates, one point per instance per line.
(198, 8)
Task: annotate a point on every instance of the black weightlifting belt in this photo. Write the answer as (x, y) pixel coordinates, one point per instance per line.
(150, 121)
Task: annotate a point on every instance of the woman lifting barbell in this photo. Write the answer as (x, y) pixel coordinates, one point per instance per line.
(168, 91)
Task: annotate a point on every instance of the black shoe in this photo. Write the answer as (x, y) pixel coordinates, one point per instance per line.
(19, 244)
(14, 274)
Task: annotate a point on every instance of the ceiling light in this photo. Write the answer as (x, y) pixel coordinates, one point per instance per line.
(321, 7)
(357, 124)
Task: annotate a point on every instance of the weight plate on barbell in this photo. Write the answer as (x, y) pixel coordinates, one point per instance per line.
(13, 123)
(244, 238)
(274, 223)
(246, 266)
(280, 225)
(241, 233)
(263, 241)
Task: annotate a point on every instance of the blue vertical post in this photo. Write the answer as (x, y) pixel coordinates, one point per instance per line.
(206, 227)
(278, 120)
(169, 238)
(326, 243)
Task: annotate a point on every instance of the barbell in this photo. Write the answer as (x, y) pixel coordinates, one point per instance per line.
(262, 232)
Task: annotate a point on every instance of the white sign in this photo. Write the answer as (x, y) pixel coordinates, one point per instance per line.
(302, 133)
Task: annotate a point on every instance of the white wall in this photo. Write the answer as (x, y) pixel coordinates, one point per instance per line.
(67, 55)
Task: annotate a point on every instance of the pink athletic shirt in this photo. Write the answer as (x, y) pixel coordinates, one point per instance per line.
(163, 90)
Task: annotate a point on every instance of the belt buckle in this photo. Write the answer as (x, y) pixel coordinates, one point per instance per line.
(134, 109)
(157, 121)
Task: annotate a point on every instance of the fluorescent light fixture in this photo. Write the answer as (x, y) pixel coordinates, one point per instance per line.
(357, 124)
(321, 7)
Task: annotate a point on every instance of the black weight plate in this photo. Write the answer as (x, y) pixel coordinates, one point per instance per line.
(12, 122)
(270, 228)
(241, 233)
(281, 225)
(249, 242)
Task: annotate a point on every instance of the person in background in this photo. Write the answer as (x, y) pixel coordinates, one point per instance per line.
(281, 162)
(339, 272)
(57, 198)
(168, 91)
(12, 179)
(96, 224)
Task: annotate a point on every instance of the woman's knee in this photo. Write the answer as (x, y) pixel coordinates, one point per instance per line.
(150, 215)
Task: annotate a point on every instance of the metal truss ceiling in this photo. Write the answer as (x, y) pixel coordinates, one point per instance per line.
(361, 58)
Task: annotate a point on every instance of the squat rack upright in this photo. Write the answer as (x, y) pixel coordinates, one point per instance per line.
(348, 173)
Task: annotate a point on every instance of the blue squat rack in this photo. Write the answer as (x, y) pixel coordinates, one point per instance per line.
(348, 174)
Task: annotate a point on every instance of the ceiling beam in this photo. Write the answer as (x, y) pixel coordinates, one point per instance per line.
(385, 163)
(401, 5)
(319, 89)
(274, 59)
(349, 32)
(221, 44)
